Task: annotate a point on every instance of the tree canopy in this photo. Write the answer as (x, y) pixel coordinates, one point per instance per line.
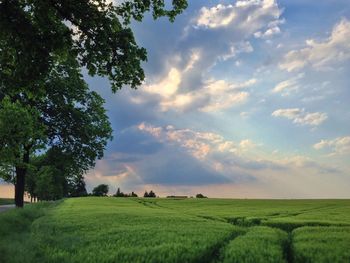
(97, 33)
(69, 123)
(44, 46)
(100, 190)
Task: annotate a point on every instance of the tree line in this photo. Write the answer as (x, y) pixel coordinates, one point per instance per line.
(103, 189)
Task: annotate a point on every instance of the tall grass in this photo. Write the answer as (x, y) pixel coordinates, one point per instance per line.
(321, 244)
(259, 244)
(17, 243)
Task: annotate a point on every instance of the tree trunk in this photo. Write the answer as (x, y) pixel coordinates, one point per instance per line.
(19, 186)
(20, 180)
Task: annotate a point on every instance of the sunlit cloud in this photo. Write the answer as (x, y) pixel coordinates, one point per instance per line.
(337, 146)
(300, 116)
(321, 54)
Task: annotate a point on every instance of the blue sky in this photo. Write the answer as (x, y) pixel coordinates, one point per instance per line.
(246, 99)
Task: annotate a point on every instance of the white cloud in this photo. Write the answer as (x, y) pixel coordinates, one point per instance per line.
(340, 145)
(222, 16)
(168, 85)
(272, 29)
(199, 144)
(288, 86)
(299, 116)
(235, 49)
(323, 54)
(218, 16)
(215, 95)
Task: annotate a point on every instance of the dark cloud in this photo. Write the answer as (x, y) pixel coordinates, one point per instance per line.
(173, 166)
(132, 141)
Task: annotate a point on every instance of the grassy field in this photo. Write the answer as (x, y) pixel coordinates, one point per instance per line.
(6, 201)
(177, 230)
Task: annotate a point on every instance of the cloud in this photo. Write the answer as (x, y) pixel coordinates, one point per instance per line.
(299, 116)
(273, 29)
(185, 82)
(227, 15)
(288, 86)
(215, 95)
(227, 157)
(337, 146)
(323, 54)
(218, 16)
(169, 85)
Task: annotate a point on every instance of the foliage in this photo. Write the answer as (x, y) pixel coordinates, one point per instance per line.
(121, 194)
(21, 133)
(100, 190)
(49, 184)
(77, 187)
(150, 194)
(43, 47)
(97, 33)
(69, 121)
(200, 196)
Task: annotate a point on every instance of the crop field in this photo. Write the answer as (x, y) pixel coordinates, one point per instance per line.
(177, 230)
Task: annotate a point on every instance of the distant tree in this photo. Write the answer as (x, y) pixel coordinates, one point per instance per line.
(100, 190)
(133, 194)
(119, 193)
(200, 196)
(150, 194)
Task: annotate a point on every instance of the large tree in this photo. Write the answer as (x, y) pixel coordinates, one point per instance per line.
(69, 123)
(37, 38)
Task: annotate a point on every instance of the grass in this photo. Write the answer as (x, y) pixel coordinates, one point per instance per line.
(6, 201)
(169, 230)
(259, 244)
(321, 244)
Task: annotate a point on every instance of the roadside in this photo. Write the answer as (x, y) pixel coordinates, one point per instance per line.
(3, 208)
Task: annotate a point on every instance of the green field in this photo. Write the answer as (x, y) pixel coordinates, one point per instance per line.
(177, 230)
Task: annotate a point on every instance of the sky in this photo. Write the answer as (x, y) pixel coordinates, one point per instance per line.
(242, 99)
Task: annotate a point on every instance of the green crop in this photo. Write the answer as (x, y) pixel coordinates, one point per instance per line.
(108, 229)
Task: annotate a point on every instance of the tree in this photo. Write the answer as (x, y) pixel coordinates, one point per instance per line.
(69, 123)
(97, 33)
(77, 187)
(40, 68)
(49, 184)
(100, 190)
(119, 193)
(200, 196)
(150, 194)
(21, 133)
